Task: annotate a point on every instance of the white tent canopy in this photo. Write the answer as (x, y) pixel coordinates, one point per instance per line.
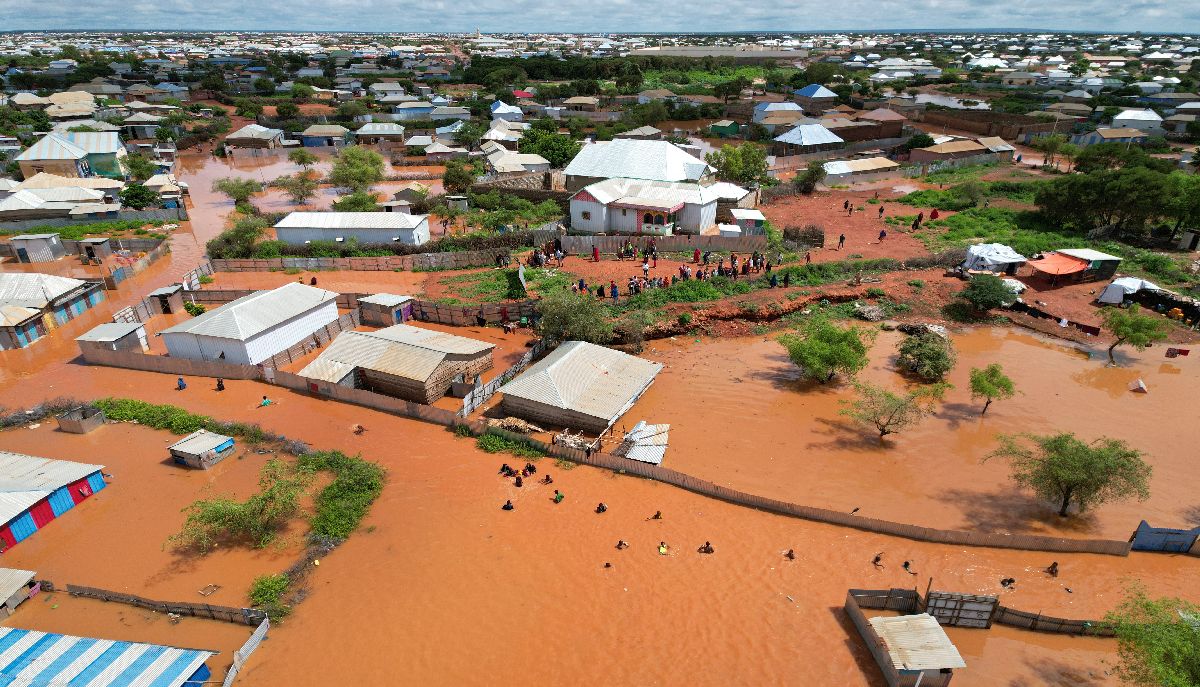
(992, 257)
(1122, 287)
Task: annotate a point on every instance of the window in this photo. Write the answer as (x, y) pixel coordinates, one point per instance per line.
(586, 214)
(648, 219)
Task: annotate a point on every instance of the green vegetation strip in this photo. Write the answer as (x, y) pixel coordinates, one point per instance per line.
(495, 443)
(75, 232)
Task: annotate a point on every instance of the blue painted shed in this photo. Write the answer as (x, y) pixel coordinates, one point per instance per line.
(34, 491)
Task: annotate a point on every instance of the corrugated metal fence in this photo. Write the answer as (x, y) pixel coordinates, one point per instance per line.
(481, 394)
(314, 341)
(456, 260)
(910, 601)
(240, 656)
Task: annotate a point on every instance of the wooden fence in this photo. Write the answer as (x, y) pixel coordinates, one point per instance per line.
(467, 315)
(363, 397)
(871, 638)
(481, 394)
(455, 260)
(242, 616)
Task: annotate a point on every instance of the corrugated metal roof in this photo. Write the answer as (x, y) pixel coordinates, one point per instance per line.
(47, 180)
(809, 135)
(29, 658)
(25, 480)
(12, 315)
(110, 331)
(95, 142)
(52, 147)
(350, 220)
(1088, 254)
(200, 441)
(380, 129)
(614, 190)
(646, 443)
(585, 378)
(870, 164)
(637, 159)
(34, 290)
(255, 313)
(387, 300)
(401, 350)
(257, 132)
(917, 642)
(955, 147)
(13, 580)
(325, 130)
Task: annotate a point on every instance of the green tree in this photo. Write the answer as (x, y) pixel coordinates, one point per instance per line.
(352, 109)
(1079, 67)
(744, 164)
(469, 135)
(1158, 644)
(140, 167)
(357, 169)
(1050, 145)
(359, 201)
(287, 110)
(263, 86)
(889, 412)
(458, 177)
(302, 158)
(138, 197)
(546, 124)
(985, 292)
(1064, 470)
(302, 92)
(919, 141)
(927, 355)
(238, 189)
(1130, 326)
(822, 349)
(247, 108)
(238, 241)
(806, 181)
(299, 187)
(990, 383)
(569, 316)
(557, 148)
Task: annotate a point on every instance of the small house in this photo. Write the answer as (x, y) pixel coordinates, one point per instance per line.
(918, 648)
(582, 103)
(402, 361)
(201, 449)
(80, 420)
(380, 132)
(579, 386)
(254, 328)
(37, 247)
(96, 247)
(815, 98)
(1144, 120)
(806, 138)
(38, 490)
(633, 206)
(114, 336)
(752, 222)
(324, 135)
(635, 159)
(255, 136)
(385, 309)
(993, 257)
(1076, 265)
(645, 133)
(166, 300)
(724, 128)
(298, 228)
(16, 587)
(1110, 135)
(951, 150)
(32, 304)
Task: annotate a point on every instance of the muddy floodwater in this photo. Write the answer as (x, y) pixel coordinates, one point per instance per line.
(741, 416)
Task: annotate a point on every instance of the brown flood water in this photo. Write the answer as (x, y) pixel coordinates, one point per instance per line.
(740, 416)
(447, 581)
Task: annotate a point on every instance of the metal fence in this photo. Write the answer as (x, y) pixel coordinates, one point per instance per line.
(482, 394)
(314, 341)
(240, 656)
(684, 243)
(467, 315)
(455, 260)
(242, 616)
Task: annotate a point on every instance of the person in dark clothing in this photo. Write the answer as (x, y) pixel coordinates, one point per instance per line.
(878, 560)
(312, 282)
(508, 505)
(505, 469)
(546, 480)
(841, 241)
(530, 468)
(601, 508)
(787, 279)
(180, 385)
(846, 205)
(707, 548)
(790, 554)
(657, 515)
(880, 212)
(518, 482)
(1053, 569)
(908, 568)
(774, 280)
(882, 235)
(622, 544)
(220, 384)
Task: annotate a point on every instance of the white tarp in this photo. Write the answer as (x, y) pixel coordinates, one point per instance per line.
(991, 256)
(1122, 287)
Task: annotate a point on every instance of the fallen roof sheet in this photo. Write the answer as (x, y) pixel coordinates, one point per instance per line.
(917, 642)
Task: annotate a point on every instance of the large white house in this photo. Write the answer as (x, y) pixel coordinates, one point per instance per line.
(253, 328)
(636, 206)
(635, 159)
(299, 228)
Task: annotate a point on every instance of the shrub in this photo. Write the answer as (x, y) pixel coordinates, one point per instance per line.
(266, 593)
(194, 309)
(685, 319)
(875, 292)
(495, 443)
(342, 505)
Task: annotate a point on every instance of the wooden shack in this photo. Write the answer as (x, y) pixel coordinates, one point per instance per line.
(201, 449)
(95, 248)
(167, 300)
(16, 587)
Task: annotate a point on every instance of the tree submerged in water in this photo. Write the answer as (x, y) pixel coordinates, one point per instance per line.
(889, 412)
(822, 349)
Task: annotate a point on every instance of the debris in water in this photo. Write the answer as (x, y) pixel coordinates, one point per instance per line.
(209, 589)
(514, 424)
(1139, 386)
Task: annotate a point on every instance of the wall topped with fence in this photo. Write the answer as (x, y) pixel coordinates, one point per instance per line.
(230, 614)
(683, 243)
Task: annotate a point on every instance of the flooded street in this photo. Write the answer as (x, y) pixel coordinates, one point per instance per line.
(752, 424)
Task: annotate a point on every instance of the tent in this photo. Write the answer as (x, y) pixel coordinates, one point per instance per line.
(993, 257)
(1057, 263)
(1122, 287)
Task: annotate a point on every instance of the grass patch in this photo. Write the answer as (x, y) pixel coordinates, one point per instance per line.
(957, 175)
(255, 521)
(493, 286)
(266, 592)
(76, 232)
(342, 505)
(495, 443)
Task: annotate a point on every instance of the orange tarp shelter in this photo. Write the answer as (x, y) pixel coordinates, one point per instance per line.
(1057, 263)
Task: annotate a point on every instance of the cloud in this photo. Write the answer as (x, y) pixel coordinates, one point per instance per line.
(588, 16)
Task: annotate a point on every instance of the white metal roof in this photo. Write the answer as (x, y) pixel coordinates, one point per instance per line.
(255, 313)
(42, 659)
(25, 480)
(256, 131)
(199, 441)
(350, 220)
(380, 129)
(387, 300)
(13, 580)
(47, 180)
(637, 159)
(1139, 115)
(865, 165)
(52, 147)
(809, 135)
(401, 350)
(110, 331)
(618, 189)
(1088, 254)
(586, 378)
(747, 213)
(646, 443)
(917, 642)
(34, 290)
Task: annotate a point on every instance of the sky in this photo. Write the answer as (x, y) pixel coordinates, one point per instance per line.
(613, 15)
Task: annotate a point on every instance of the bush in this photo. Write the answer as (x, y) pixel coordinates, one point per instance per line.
(342, 505)
(876, 292)
(685, 319)
(266, 593)
(194, 309)
(927, 355)
(494, 443)
(255, 521)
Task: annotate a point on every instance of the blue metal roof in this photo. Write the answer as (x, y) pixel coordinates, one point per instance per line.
(816, 90)
(39, 659)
